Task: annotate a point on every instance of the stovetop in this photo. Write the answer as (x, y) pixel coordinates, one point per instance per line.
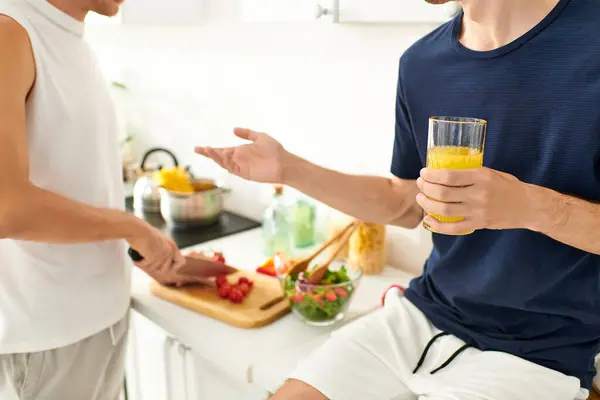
(228, 224)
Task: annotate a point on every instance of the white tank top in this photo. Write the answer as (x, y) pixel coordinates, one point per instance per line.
(55, 295)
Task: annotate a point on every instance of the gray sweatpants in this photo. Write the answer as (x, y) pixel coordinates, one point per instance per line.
(92, 369)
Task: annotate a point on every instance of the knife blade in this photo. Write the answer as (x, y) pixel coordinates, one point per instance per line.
(197, 266)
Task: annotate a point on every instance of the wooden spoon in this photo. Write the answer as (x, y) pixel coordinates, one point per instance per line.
(303, 265)
(317, 274)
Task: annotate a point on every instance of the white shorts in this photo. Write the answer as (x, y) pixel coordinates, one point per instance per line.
(374, 359)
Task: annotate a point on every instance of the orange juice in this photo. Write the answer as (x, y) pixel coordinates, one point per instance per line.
(453, 157)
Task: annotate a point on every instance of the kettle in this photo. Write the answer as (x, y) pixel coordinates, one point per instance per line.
(146, 195)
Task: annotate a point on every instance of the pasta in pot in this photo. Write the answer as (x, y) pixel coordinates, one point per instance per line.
(366, 248)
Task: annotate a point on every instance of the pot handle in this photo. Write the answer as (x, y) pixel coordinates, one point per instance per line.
(158, 150)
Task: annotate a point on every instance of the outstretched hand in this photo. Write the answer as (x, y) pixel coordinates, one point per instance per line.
(262, 160)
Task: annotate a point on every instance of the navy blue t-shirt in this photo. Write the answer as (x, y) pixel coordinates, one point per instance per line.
(515, 291)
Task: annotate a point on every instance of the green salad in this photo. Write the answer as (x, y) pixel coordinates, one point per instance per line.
(323, 302)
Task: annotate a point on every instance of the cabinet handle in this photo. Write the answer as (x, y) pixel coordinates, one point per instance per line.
(183, 352)
(334, 11)
(169, 343)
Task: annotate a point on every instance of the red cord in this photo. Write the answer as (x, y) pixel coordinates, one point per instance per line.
(394, 286)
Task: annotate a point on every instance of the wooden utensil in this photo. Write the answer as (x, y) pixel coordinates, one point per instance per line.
(303, 265)
(264, 304)
(317, 274)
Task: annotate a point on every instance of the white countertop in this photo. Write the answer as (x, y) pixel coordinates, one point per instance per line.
(239, 350)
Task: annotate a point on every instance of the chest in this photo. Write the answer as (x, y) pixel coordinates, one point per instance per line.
(543, 123)
(70, 102)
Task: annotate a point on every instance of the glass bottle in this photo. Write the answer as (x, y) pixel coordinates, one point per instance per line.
(304, 216)
(276, 225)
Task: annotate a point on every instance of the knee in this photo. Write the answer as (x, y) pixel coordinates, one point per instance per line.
(297, 390)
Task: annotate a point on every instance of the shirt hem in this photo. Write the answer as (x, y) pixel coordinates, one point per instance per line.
(33, 346)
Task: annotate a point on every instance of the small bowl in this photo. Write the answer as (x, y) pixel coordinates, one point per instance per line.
(321, 305)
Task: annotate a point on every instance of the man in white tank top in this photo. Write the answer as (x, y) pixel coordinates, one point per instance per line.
(64, 273)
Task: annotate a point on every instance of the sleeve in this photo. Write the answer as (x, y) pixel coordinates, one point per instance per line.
(406, 163)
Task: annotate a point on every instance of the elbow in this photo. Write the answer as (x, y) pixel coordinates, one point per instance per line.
(5, 213)
(403, 210)
(409, 219)
(9, 203)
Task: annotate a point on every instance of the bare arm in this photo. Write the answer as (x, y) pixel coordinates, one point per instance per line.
(371, 198)
(565, 218)
(28, 212)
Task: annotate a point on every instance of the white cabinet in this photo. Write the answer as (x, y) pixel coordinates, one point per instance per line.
(410, 11)
(146, 368)
(347, 11)
(281, 10)
(154, 12)
(159, 367)
(214, 382)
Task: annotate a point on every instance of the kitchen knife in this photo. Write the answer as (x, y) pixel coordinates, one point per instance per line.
(197, 266)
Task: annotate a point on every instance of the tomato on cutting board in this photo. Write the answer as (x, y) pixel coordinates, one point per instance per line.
(237, 292)
(217, 256)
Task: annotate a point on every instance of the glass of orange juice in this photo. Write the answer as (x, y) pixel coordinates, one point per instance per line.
(455, 143)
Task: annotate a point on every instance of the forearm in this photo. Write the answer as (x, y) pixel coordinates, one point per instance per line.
(369, 198)
(565, 218)
(35, 214)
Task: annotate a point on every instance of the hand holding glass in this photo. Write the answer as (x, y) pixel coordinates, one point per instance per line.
(455, 143)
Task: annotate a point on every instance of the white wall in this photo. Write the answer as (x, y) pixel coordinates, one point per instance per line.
(325, 91)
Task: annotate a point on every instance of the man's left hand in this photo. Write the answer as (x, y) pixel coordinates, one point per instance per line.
(484, 197)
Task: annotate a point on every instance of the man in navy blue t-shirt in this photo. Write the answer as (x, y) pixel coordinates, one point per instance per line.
(511, 311)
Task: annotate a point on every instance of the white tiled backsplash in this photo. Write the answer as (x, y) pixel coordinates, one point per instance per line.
(327, 92)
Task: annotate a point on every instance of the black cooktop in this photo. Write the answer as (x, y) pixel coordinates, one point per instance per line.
(228, 224)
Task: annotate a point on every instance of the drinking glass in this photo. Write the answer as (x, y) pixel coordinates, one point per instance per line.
(455, 143)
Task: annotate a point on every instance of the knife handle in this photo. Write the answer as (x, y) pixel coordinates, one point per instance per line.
(135, 256)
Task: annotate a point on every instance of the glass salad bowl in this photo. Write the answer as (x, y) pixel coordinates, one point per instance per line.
(322, 304)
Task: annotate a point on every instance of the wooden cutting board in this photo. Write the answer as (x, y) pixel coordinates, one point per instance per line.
(263, 305)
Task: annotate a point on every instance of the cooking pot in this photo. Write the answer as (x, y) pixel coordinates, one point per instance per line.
(146, 196)
(202, 207)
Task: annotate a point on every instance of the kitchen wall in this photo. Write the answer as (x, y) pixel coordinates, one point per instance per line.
(325, 91)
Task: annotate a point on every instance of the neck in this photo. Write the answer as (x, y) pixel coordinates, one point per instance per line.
(70, 8)
(490, 24)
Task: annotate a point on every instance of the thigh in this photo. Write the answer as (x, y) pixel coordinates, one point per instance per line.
(91, 369)
(12, 375)
(477, 375)
(371, 358)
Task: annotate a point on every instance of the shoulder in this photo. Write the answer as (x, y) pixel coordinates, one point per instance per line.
(426, 50)
(16, 51)
(582, 18)
(12, 34)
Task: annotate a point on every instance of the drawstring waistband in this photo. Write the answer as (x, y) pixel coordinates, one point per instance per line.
(447, 362)
(113, 339)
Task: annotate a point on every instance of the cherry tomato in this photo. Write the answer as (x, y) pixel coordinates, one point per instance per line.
(224, 291)
(341, 292)
(221, 279)
(247, 281)
(217, 256)
(330, 296)
(299, 298)
(236, 295)
(244, 288)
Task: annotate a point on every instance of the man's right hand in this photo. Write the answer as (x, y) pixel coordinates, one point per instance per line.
(161, 257)
(369, 198)
(262, 160)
